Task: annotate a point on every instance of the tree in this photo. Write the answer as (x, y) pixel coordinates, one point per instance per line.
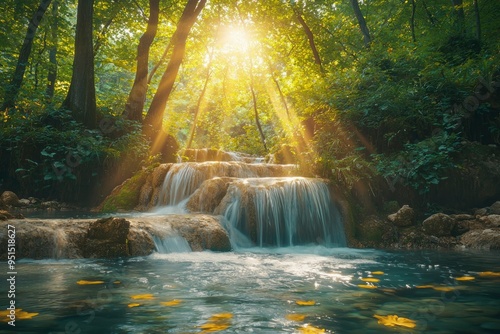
(361, 22)
(12, 91)
(154, 118)
(310, 38)
(52, 72)
(137, 96)
(81, 99)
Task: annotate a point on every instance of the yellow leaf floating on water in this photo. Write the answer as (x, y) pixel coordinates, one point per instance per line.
(214, 327)
(393, 320)
(20, 315)
(173, 302)
(133, 305)
(305, 302)
(217, 322)
(437, 288)
(307, 329)
(377, 273)
(84, 282)
(370, 279)
(489, 274)
(465, 278)
(367, 286)
(144, 296)
(295, 317)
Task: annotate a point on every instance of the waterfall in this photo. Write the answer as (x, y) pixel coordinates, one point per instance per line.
(171, 244)
(282, 212)
(183, 179)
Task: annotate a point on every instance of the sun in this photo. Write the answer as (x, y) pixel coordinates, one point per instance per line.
(235, 40)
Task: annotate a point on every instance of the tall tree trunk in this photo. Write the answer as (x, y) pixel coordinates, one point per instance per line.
(412, 20)
(137, 96)
(362, 23)
(154, 118)
(198, 105)
(478, 20)
(310, 38)
(255, 109)
(460, 16)
(81, 98)
(52, 75)
(12, 90)
(429, 14)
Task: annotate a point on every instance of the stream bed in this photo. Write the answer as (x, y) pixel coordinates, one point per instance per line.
(302, 289)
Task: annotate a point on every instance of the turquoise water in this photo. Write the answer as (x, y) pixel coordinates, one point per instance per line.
(258, 291)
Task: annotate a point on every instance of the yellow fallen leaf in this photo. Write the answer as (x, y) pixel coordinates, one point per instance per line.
(367, 286)
(173, 302)
(307, 329)
(370, 279)
(305, 302)
(213, 327)
(144, 296)
(221, 316)
(20, 315)
(295, 317)
(489, 274)
(393, 320)
(84, 282)
(133, 305)
(465, 278)
(377, 273)
(117, 282)
(437, 288)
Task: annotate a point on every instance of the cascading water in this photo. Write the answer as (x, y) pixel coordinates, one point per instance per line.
(282, 212)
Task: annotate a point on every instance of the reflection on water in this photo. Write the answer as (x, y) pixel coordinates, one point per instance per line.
(262, 291)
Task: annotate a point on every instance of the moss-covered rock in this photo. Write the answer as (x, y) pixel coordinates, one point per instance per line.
(125, 197)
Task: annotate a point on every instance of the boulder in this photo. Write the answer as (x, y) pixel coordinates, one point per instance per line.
(9, 198)
(495, 208)
(5, 215)
(439, 225)
(209, 195)
(375, 232)
(490, 220)
(404, 217)
(487, 239)
(107, 238)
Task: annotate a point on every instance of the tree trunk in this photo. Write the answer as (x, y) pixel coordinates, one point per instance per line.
(52, 75)
(429, 14)
(362, 23)
(154, 118)
(460, 16)
(412, 20)
(478, 20)
(137, 96)
(81, 98)
(198, 105)
(12, 90)
(255, 109)
(310, 38)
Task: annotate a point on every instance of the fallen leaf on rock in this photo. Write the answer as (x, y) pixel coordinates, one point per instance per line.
(370, 279)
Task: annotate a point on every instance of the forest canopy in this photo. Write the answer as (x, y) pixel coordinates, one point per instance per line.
(350, 90)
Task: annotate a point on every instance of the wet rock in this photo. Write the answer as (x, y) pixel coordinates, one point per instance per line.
(490, 220)
(404, 217)
(481, 212)
(24, 202)
(439, 225)
(50, 205)
(495, 208)
(487, 239)
(140, 242)
(209, 195)
(414, 238)
(203, 232)
(107, 238)
(375, 232)
(5, 215)
(9, 198)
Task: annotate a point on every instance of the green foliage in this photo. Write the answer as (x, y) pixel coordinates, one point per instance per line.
(423, 164)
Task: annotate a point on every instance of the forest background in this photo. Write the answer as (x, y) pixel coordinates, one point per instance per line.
(390, 100)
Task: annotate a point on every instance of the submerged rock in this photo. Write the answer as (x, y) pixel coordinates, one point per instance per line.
(107, 238)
